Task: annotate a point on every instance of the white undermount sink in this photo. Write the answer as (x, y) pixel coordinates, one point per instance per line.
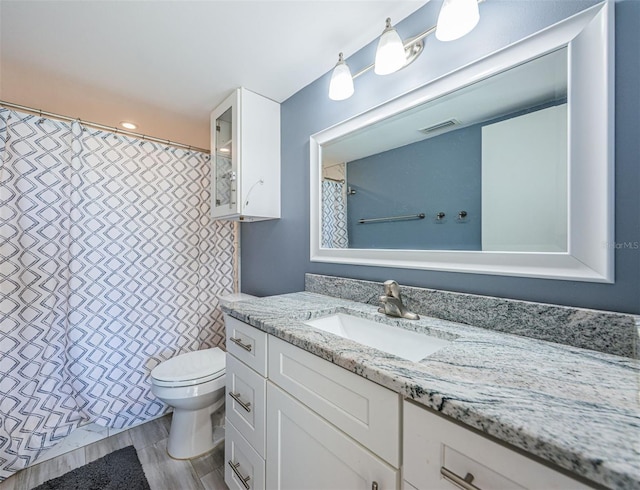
(398, 341)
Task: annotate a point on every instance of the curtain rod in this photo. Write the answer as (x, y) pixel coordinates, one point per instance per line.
(60, 117)
(341, 181)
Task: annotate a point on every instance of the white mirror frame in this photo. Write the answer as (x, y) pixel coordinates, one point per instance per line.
(590, 255)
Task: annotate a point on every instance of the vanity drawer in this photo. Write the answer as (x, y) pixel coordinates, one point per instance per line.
(364, 410)
(247, 343)
(246, 402)
(244, 469)
(435, 447)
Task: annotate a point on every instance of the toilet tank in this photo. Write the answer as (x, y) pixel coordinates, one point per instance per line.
(227, 299)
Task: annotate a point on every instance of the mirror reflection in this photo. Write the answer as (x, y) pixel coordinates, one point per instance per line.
(481, 168)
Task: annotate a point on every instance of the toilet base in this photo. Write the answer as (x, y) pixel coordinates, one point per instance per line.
(192, 432)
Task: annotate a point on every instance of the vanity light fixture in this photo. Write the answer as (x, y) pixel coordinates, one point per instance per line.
(456, 18)
(390, 55)
(128, 125)
(341, 86)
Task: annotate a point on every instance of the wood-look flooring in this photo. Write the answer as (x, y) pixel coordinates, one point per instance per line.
(150, 441)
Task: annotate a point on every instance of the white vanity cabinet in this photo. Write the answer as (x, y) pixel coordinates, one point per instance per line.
(438, 452)
(245, 158)
(296, 421)
(317, 426)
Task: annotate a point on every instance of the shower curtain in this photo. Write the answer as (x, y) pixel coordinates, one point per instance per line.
(109, 265)
(334, 215)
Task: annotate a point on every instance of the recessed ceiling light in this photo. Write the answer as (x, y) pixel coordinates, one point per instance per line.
(128, 125)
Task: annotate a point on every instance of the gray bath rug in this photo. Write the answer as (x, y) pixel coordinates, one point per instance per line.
(119, 470)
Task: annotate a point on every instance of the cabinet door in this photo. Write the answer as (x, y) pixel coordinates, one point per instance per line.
(365, 411)
(224, 167)
(306, 452)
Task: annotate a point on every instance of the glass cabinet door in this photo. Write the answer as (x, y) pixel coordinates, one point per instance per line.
(225, 178)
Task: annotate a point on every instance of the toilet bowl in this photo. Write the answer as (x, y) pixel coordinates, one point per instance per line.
(193, 384)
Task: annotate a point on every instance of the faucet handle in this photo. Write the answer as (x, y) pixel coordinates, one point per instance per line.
(392, 288)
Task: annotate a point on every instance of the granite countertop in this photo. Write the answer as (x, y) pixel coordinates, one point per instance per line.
(573, 407)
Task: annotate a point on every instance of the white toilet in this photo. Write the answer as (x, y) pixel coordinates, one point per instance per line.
(193, 384)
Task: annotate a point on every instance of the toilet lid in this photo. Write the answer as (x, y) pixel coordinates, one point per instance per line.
(190, 366)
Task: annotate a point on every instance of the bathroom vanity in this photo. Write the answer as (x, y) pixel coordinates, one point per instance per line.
(307, 408)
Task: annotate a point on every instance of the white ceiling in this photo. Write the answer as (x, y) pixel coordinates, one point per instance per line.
(186, 56)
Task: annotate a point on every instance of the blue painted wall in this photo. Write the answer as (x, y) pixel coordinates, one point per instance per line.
(439, 174)
(275, 254)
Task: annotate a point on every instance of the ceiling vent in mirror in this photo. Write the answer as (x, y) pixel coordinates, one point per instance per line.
(439, 126)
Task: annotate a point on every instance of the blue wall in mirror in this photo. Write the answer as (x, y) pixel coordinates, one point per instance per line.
(439, 174)
(275, 254)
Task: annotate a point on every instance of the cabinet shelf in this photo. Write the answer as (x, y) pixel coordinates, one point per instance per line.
(225, 145)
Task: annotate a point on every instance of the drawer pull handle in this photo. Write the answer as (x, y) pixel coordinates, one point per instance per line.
(374, 485)
(243, 479)
(246, 347)
(461, 482)
(245, 405)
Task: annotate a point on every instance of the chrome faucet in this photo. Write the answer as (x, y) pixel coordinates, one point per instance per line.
(392, 302)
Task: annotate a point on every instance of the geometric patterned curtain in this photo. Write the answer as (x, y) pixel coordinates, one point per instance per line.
(334, 215)
(109, 264)
(223, 181)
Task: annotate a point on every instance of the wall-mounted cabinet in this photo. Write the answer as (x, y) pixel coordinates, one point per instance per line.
(245, 158)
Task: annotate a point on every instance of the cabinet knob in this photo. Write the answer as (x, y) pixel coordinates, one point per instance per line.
(374, 485)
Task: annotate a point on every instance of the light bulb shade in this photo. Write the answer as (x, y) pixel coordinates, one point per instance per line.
(341, 85)
(390, 54)
(457, 18)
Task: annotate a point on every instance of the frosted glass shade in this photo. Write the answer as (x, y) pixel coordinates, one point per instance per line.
(341, 85)
(457, 18)
(390, 55)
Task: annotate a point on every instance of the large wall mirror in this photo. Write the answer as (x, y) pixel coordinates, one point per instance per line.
(504, 166)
